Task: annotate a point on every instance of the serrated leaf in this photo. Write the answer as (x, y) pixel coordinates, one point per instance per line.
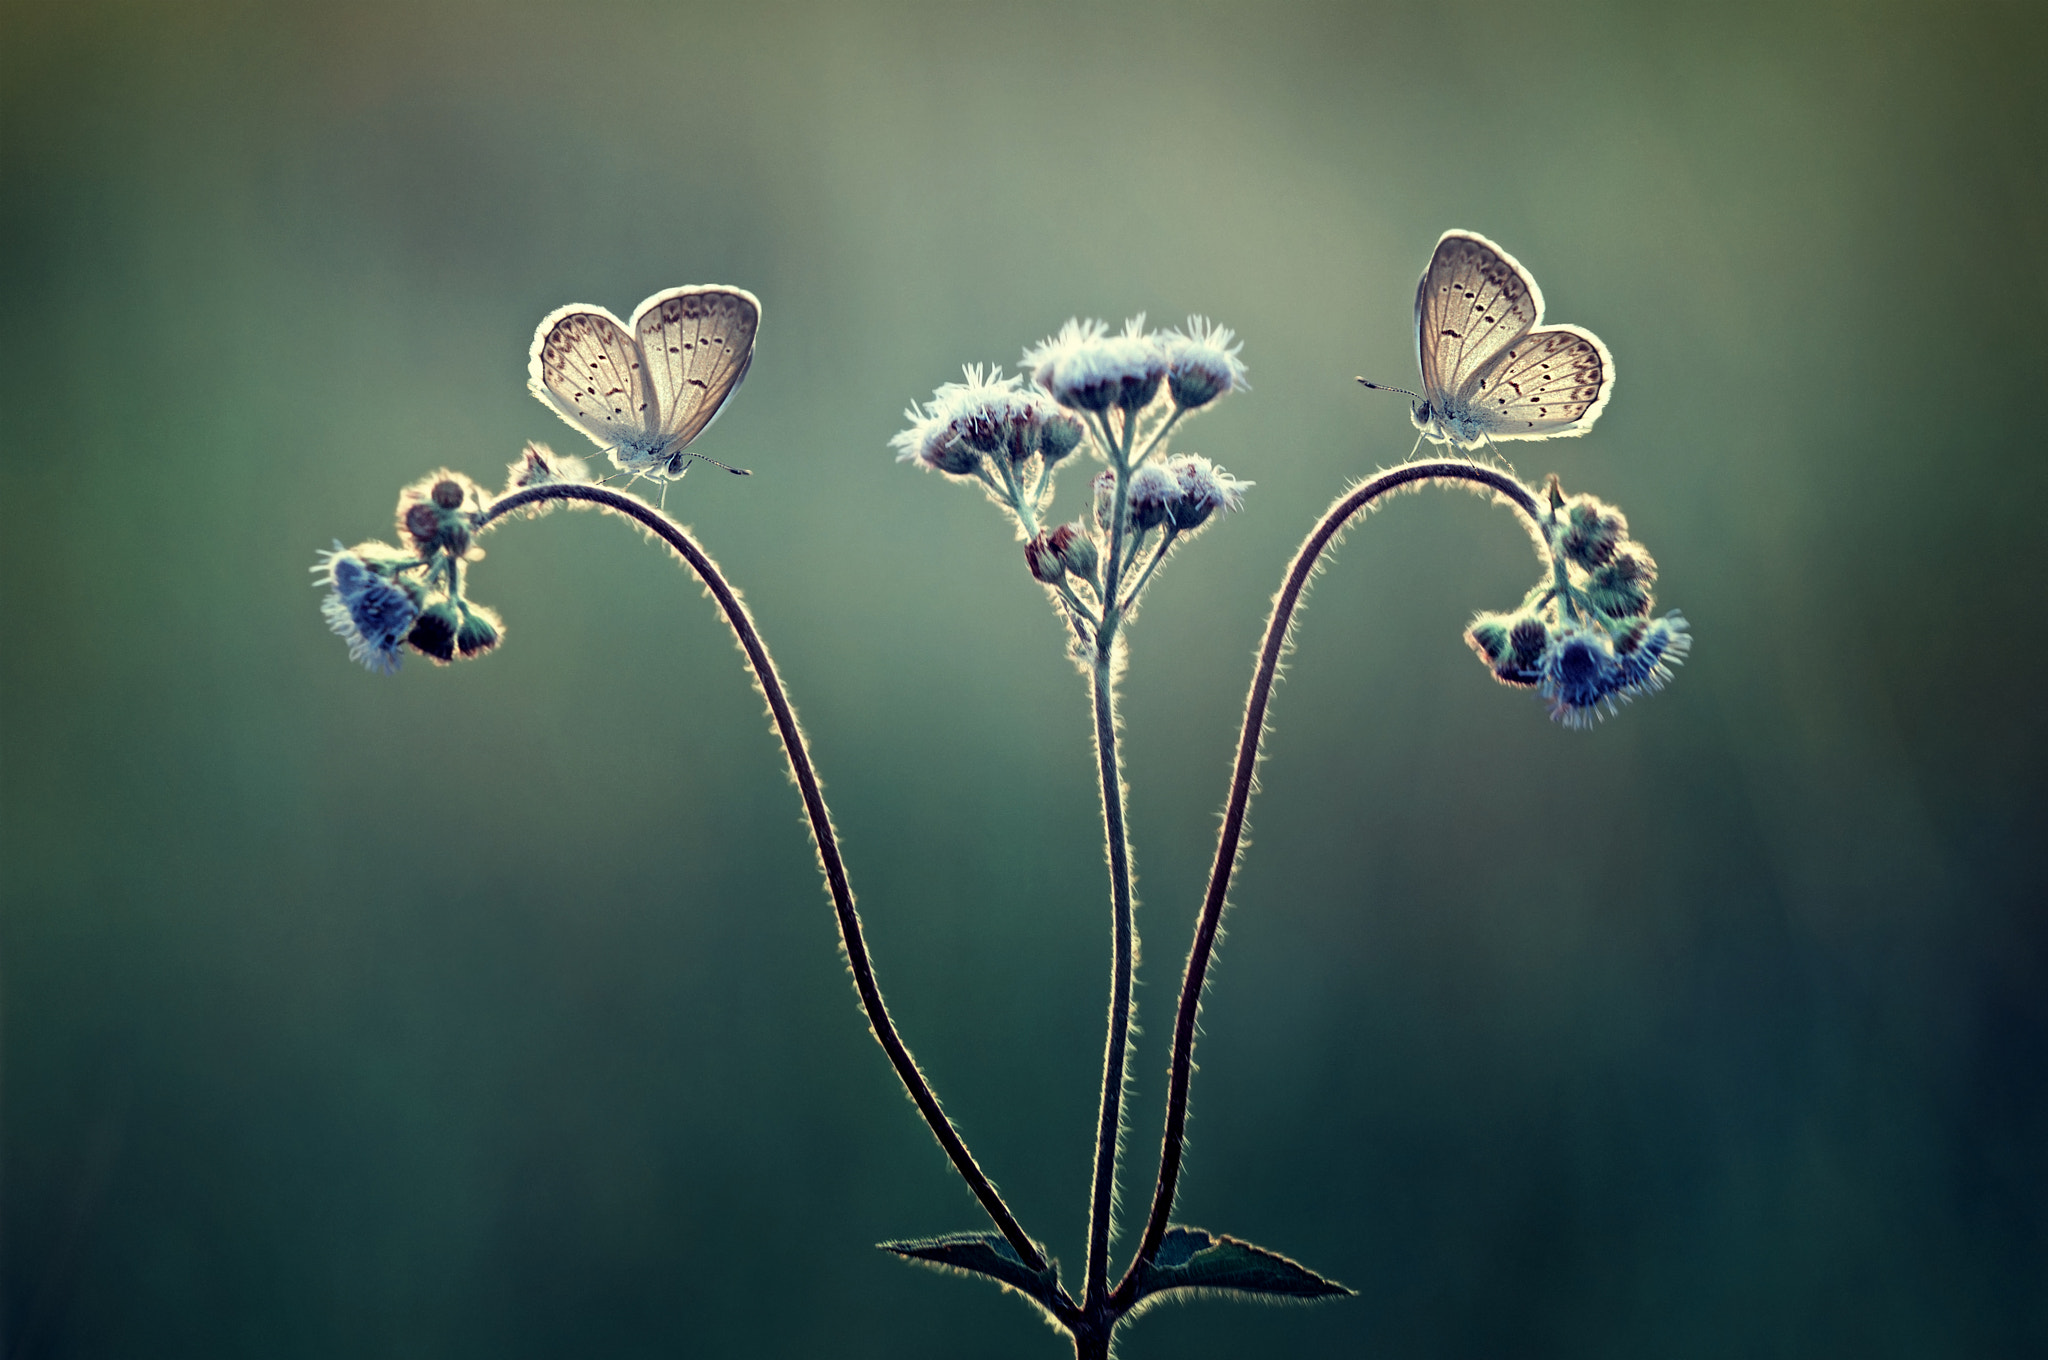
(1189, 1258)
(975, 1253)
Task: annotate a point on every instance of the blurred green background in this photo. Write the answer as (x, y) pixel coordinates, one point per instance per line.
(497, 1011)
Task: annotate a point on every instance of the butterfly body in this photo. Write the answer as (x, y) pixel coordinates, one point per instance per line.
(645, 388)
(1490, 370)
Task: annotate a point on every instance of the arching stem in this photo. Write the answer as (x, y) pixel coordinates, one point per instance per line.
(770, 685)
(1274, 646)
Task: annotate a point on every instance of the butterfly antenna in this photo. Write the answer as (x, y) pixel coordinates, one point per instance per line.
(737, 472)
(1382, 387)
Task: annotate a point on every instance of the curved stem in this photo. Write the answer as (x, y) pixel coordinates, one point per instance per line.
(820, 817)
(1109, 1127)
(1241, 784)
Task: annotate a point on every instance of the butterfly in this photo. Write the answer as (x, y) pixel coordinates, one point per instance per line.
(1489, 371)
(644, 389)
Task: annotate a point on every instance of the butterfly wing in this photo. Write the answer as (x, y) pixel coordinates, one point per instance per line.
(587, 367)
(1553, 381)
(1474, 301)
(698, 342)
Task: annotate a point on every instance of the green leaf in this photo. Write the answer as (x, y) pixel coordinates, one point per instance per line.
(987, 1254)
(1189, 1258)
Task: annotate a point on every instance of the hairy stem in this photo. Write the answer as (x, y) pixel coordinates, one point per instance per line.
(800, 768)
(1109, 1128)
(1241, 784)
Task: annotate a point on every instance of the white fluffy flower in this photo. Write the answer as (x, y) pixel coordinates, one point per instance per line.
(1201, 362)
(1090, 370)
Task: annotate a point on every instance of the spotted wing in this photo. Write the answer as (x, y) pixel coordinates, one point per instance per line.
(698, 342)
(587, 367)
(1473, 302)
(1553, 381)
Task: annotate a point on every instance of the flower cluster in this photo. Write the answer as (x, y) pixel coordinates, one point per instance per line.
(1584, 639)
(383, 599)
(1117, 396)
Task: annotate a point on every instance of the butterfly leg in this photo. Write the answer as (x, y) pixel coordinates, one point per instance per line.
(1494, 449)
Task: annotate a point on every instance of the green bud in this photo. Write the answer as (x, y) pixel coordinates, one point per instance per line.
(433, 633)
(1592, 531)
(1076, 549)
(1058, 437)
(479, 632)
(1620, 589)
(1512, 646)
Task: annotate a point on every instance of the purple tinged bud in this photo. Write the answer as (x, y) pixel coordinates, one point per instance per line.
(436, 513)
(1043, 560)
(1076, 549)
(423, 524)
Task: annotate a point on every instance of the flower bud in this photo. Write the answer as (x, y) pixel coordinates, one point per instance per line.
(1076, 549)
(1059, 436)
(1512, 645)
(1151, 491)
(538, 465)
(481, 628)
(950, 456)
(433, 634)
(436, 512)
(1621, 588)
(1105, 500)
(1592, 531)
(1044, 561)
(423, 523)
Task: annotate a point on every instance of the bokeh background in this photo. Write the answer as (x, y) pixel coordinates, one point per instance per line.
(497, 1011)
